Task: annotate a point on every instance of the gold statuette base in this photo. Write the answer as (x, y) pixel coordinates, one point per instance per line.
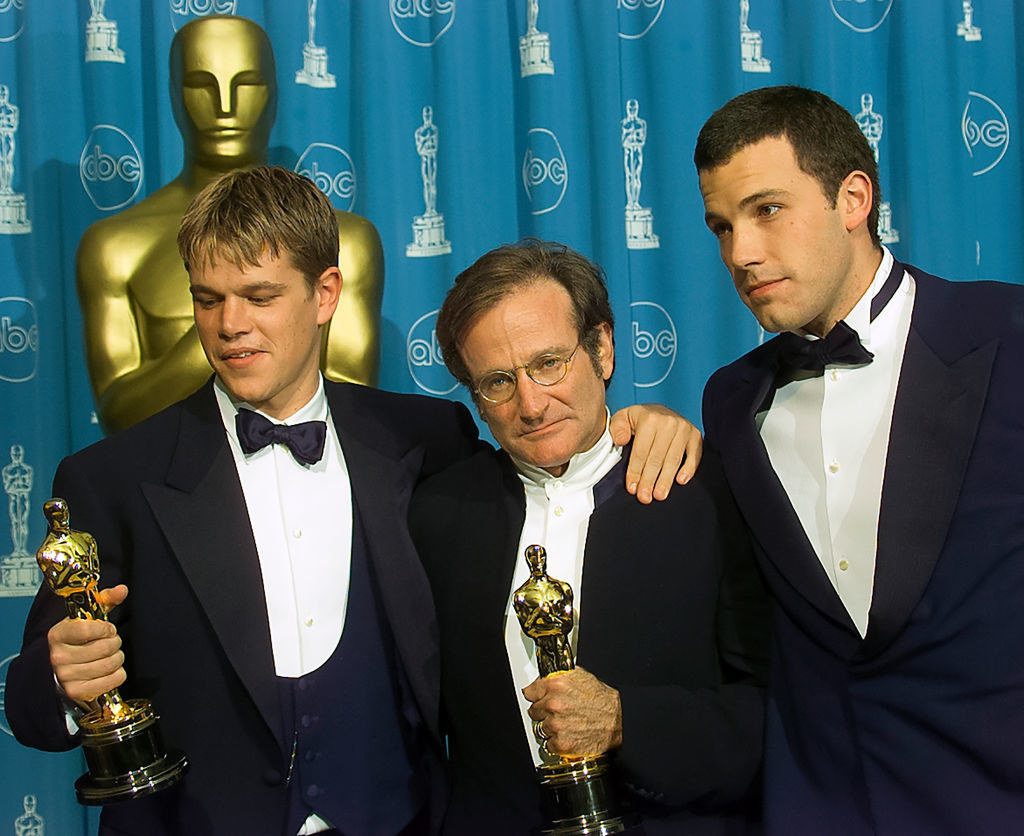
(578, 798)
(126, 758)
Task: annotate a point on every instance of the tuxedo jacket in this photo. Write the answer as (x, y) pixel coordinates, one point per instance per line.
(164, 502)
(918, 727)
(673, 615)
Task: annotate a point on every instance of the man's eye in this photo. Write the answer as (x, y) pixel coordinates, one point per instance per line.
(548, 362)
(495, 385)
(261, 300)
(718, 230)
(768, 210)
(204, 303)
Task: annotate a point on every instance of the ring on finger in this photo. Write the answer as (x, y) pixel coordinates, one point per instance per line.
(538, 730)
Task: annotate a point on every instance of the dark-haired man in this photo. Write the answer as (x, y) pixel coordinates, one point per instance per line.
(279, 619)
(669, 649)
(880, 478)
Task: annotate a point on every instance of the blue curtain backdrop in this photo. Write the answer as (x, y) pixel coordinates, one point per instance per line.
(573, 120)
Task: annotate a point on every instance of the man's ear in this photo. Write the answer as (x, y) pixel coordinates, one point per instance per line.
(855, 199)
(605, 350)
(328, 290)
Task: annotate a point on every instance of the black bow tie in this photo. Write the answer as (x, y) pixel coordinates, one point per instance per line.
(305, 441)
(841, 346)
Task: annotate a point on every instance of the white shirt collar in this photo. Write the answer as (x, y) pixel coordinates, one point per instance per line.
(859, 319)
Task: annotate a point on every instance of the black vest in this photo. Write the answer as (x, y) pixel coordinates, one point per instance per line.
(354, 761)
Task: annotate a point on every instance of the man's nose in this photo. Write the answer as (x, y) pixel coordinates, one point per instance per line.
(533, 397)
(745, 248)
(234, 318)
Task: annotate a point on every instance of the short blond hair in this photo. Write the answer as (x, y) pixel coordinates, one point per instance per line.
(244, 215)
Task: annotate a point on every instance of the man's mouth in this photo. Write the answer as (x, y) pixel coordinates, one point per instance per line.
(759, 288)
(239, 355)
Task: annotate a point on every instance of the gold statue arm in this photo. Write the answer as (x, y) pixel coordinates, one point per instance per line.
(127, 385)
(351, 343)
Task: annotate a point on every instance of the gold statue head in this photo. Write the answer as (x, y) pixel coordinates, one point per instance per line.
(223, 91)
(57, 515)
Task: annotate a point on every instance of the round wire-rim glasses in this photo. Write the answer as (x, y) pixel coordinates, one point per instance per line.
(545, 369)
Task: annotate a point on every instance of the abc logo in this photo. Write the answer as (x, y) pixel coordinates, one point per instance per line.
(986, 132)
(545, 173)
(654, 343)
(421, 22)
(110, 168)
(862, 15)
(636, 17)
(426, 365)
(12, 19)
(330, 167)
(19, 340)
(182, 11)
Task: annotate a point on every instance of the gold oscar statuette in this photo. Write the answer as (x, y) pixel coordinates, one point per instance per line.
(578, 794)
(120, 738)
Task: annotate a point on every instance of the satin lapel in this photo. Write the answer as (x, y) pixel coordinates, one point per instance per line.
(934, 422)
(762, 499)
(381, 487)
(202, 513)
(494, 579)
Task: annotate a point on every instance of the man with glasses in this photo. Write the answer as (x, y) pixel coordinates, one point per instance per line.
(671, 650)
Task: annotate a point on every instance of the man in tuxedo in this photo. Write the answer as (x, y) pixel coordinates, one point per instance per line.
(671, 630)
(880, 479)
(279, 619)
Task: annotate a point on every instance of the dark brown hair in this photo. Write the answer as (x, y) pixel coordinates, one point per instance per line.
(826, 140)
(505, 269)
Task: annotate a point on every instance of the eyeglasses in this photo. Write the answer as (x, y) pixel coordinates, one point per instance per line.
(545, 369)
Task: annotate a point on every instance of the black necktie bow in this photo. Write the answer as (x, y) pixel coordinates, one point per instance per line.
(841, 346)
(305, 441)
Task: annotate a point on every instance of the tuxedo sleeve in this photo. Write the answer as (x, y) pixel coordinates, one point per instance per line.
(701, 747)
(35, 711)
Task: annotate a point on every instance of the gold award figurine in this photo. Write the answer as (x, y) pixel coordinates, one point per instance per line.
(577, 791)
(120, 738)
(141, 346)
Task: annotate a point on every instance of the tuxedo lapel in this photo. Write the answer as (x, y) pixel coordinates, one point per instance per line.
(201, 511)
(934, 423)
(761, 496)
(381, 487)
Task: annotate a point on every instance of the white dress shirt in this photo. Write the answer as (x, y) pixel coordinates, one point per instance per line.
(827, 436)
(301, 517)
(558, 510)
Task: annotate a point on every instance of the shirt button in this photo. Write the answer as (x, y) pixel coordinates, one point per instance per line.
(559, 510)
(834, 374)
(297, 533)
(308, 622)
(833, 467)
(556, 485)
(844, 565)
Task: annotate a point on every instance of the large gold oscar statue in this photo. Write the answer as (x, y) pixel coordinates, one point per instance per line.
(142, 350)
